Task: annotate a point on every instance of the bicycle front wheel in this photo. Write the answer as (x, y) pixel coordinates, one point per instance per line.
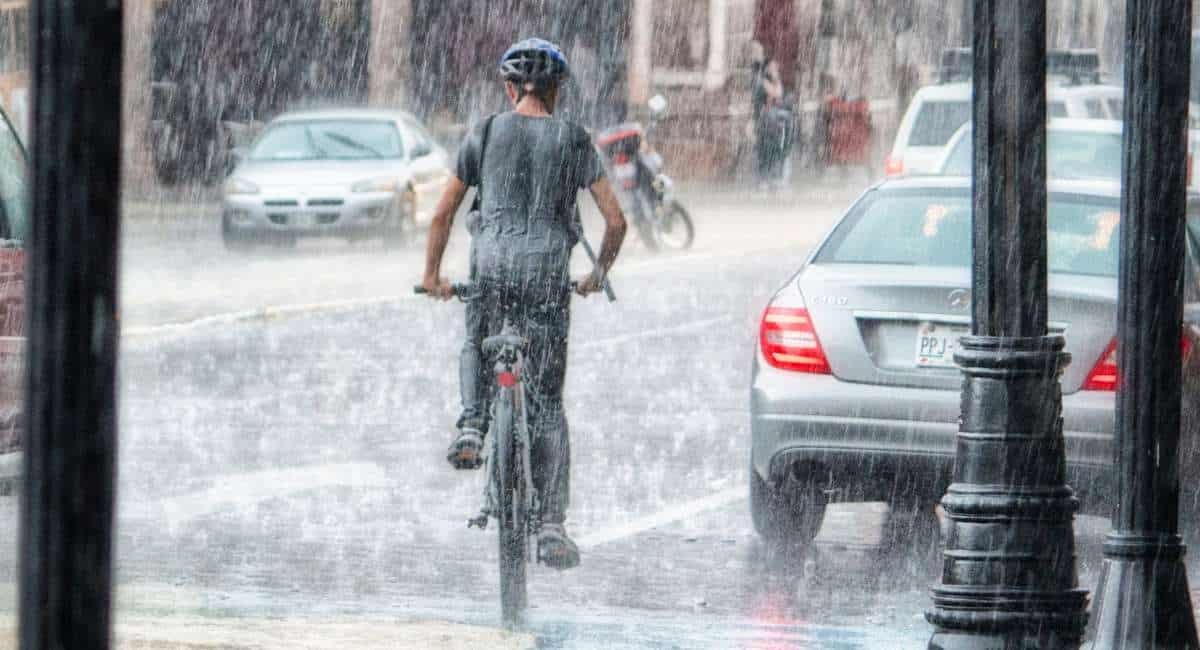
(512, 507)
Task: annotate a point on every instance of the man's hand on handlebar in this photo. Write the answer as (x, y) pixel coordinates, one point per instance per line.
(437, 288)
(590, 283)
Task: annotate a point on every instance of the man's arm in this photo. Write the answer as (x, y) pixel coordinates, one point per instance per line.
(439, 235)
(614, 234)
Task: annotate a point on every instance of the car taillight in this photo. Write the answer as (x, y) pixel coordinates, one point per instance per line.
(789, 341)
(893, 166)
(1105, 375)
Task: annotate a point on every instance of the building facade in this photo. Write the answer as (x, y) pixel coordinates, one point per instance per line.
(435, 57)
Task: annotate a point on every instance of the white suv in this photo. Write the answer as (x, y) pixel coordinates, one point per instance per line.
(938, 111)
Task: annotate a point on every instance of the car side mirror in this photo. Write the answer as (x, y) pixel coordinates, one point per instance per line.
(421, 150)
(238, 154)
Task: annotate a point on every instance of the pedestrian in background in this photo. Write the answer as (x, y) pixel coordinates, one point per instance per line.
(772, 118)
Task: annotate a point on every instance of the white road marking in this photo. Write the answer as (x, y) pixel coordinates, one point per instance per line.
(300, 309)
(669, 515)
(658, 331)
(235, 491)
(263, 313)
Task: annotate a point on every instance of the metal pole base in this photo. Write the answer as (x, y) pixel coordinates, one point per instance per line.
(999, 641)
(1008, 573)
(1143, 601)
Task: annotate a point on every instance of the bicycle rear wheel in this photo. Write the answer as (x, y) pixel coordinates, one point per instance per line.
(512, 514)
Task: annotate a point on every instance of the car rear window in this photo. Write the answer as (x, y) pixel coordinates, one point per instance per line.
(936, 122)
(1069, 155)
(933, 228)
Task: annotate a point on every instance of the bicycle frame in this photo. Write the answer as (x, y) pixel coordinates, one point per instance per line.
(508, 362)
(513, 503)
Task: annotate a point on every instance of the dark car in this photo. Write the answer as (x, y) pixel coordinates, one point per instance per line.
(14, 230)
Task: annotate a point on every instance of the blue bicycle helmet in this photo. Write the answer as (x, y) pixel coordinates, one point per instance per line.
(534, 59)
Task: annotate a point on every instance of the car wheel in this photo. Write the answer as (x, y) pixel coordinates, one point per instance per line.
(789, 513)
(234, 241)
(403, 224)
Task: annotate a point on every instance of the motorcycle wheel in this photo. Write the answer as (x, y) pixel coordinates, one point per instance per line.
(644, 219)
(674, 227)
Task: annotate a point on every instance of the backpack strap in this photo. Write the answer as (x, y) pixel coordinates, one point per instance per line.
(477, 204)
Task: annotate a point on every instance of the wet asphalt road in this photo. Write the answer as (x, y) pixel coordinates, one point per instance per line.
(284, 416)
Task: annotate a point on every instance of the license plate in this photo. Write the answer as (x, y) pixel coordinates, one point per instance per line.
(302, 219)
(936, 343)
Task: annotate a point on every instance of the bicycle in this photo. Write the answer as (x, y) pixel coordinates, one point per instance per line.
(510, 496)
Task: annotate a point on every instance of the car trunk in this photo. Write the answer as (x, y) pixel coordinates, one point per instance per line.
(899, 325)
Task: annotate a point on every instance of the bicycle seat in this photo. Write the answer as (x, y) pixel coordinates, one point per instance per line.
(498, 342)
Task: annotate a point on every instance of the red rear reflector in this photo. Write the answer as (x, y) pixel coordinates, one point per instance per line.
(789, 341)
(507, 379)
(1105, 375)
(893, 166)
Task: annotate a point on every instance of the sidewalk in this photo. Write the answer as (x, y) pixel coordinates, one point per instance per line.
(197, 633)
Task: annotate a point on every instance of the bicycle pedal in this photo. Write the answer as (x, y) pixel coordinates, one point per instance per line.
(479, 522)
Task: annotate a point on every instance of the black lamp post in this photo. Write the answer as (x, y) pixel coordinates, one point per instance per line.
(1143, 600)
(1008, 575)
(67, 510)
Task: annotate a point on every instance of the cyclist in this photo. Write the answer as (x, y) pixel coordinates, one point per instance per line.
(529, 166)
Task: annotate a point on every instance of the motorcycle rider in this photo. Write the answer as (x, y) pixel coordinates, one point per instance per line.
(529, 167)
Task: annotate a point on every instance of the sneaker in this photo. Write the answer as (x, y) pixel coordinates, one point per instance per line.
(466, 452)
(555, 548)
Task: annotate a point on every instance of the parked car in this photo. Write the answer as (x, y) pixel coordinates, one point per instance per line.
(14, 231)
(938, 111)
(352, 173)
(855, 391)
(1075, 149)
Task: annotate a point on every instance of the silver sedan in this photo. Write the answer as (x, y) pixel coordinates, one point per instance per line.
(353, 173)
(855, 392)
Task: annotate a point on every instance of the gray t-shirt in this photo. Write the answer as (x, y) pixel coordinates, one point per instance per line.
(532, 172)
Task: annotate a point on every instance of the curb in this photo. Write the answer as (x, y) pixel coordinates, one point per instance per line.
(196, 633)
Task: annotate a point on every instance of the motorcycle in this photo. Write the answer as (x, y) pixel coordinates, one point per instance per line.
(648, 193)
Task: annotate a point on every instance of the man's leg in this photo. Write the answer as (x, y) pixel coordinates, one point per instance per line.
(466, 450)
(551, 458)
(546, 365)
(470, 371)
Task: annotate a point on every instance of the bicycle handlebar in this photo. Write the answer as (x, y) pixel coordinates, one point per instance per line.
(458, 290)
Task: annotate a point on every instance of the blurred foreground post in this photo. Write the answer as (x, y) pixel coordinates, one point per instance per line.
(1008, 571)
(1143, 599)
(67, 510)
